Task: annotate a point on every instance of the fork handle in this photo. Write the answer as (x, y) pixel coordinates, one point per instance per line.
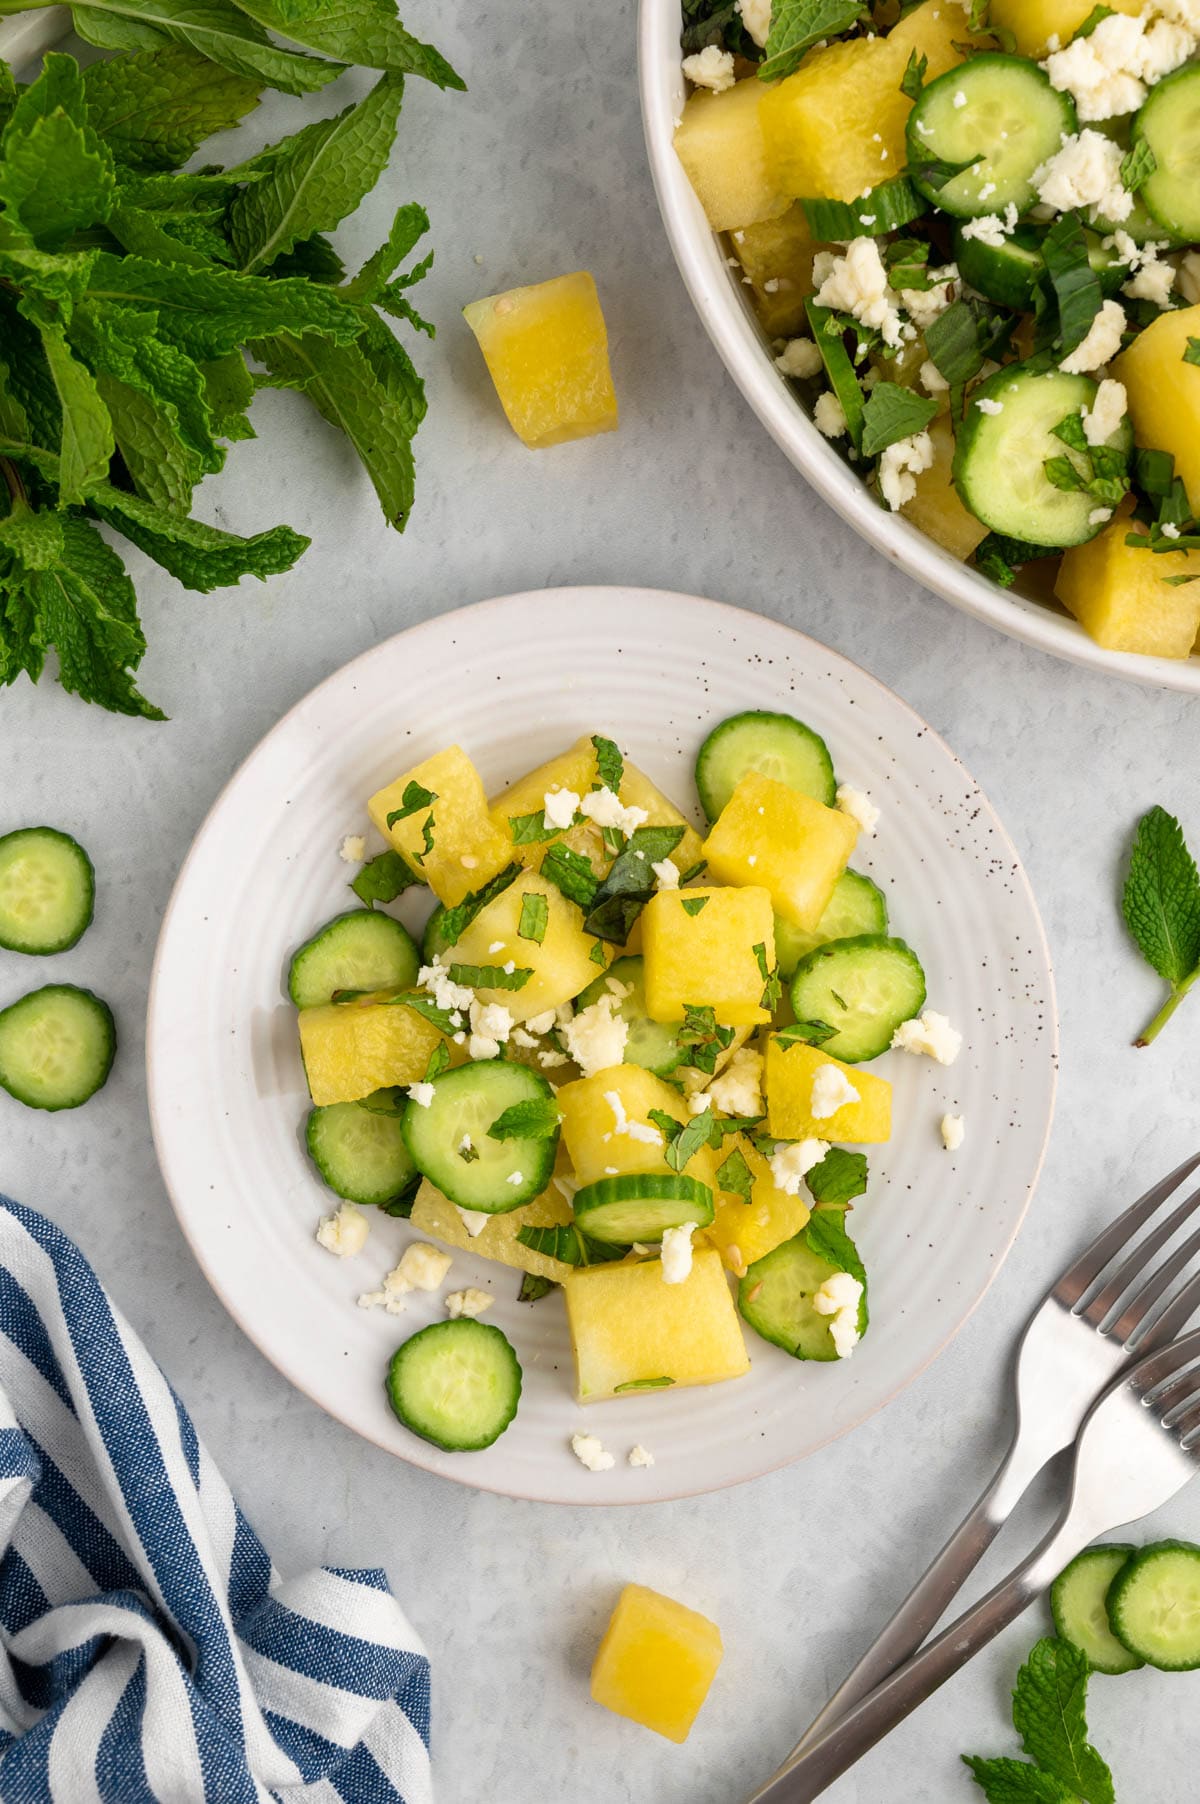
(805, 1777)
(929, 1598)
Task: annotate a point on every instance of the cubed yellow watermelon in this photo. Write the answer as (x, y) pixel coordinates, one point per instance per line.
(465, 848)
(574, 769)
(1034, 22)
(637, 791)
(1164, 392)
(1121, 594)
(936, 507)
(352, 1048)
(435, 1214)
(836, 127)
(719, 141)
(656, 1662)
(589, 1123)
(934, 30)
(793, 846)
(707, 947)
(546, 347)
(561, 961)
(627, 1325)
(745, 1231)
(789, 1084)
(777, 256)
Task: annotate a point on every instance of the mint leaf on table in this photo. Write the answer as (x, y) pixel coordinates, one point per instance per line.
(409, 226)
(208, 312)
(200, 556)
(383, 878)
(1049, 1714)
(154, 111)
(211, 28)
(1161, 905)
(893, 413)
(1007, 1781)
(56, 175)
(357, 31)
(796, 25)
(86, 431)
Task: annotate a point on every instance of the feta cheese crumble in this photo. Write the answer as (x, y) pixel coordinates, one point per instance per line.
(828, 416)
(677, 1253)
(924, 305)
(640, 1456)
(900, 466)
(985, 405)
(858, 805)
(831, 1091)
(666, 873)
(1103, 417)
(738, 1089)
(953, 1132)
(1107, 73)
(608, 810)
(633, 1130)
(596, 1036)
(800, 358)
(857, 283)
(447, 994)
(421, 1267)
(931, 1034)
(756, 17)
(960, 99)
(1085, 171)
(559, 809)
(422, 1094)
(990, 228)
(473, 1220)
(588, 1448)
(1101, 344)
(344, 1233)
(353, 849)
(710, 68)
(932, 379)
(839, 1298)
(1153, 280)
(491, 1025)
(471, 1302)
(790, 1163)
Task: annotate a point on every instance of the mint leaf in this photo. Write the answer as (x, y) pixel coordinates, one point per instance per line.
(537, 1119)
(1090, 23)
(154, 108)
(1015, 1782)
(826, 1236)
(642, 1384)
(1161, 905)
(1137, 165)
(228, 392)
(415, 797)
(805, 1033)
(704, 1038)
(534, 1288)
(1192, 353)
(199, 556)
(735, 1175)
(87, 437)
(439, 1060)
(624, 892)
(490, 977)
(694, 1134)
(207, 312)
(691, 905)
(893, 413)
(570, 1245)
(535, 913)
(913, 80)
(610, 766)
(572, 873)
(1075, 283)
(209, 27)
(1000, 557)
(456, 920)
(409, 226)
(839, 1178)
(55, 174)
(1049, 1705)
(530, 829)
(383, 878)
(161, 467)
(356, 31)
(796, 25)
(122, 343)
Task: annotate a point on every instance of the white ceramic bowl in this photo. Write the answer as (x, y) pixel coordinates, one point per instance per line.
(719, 298)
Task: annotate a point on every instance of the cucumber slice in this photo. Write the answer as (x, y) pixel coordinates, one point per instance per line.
(856, 906)
(1000, 458)
(999, 109)
(456, 1384)
(491, 1176)
(1140, 224)
(884, 209)
(776, 1295)
(47, 891)
(1169, 123)
(827, 335)
(57, 1047)
(864, 987)
(654, 1045)
(641, 1206)
(1012, 273)
(360, 1154)
(1080, 1613)
(359, 950)
(1154, 1605)
(776, 746)
(433, 940)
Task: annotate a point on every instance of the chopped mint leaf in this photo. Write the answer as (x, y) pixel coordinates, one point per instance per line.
(696, 870)
(490, 977)
(893, 413)
(624, 892)
(610, 766)
(913, 80)
(1161, 905)
(806, 1033)
(1075, 283)
(1138, 164)
(533, 1288)
(402, 1205)
(383, 878)
(839, 1178)
(735, 1175)
(353, 31)
(704, 1038)
(570, 1245)
(530, 829)
(572, 873)
(1154, 471)
(642, 1384)
(760, 952)
(1192, 354)
(439, 1060)
(466, 1151)
(935, 172)
(796, 25)
(694, 1134)
(827, 1237)
(717, 22)
(1000, 557)
(692, 905)
(428, 1008)
(907, 261)
(537, 1119)
(535, 912)
(456, 920)
(599, 954)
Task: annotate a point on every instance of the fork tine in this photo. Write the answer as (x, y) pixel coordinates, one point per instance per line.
(1168, 1399)
(1114, 1289)
(1078, 1279)
(1151, 1373)
(1173, 1320)
(1138, 1305)
(1187, 1424)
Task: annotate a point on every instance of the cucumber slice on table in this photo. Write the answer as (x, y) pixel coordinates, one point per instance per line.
(1000, 458)
(1012, 272)
(864, 987)
(360, 1154)
(619, 1211)
(1077, 1604)
(456, 1384)
(776, 1295)
(1169, 123)
(359, 950)
(654, 1045)
(1154, 1605)
(47, 891)
(450, 1144)
(856, 906)
(57, 1047)
(1000, 115)
(775, 745)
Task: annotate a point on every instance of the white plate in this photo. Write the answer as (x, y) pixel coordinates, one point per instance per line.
(719, 299)
(514, 681)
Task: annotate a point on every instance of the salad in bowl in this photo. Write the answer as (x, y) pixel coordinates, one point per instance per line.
(969, 237)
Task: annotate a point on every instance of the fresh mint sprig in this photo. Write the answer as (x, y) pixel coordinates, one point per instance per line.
(1161, 905)
(1049, 1714)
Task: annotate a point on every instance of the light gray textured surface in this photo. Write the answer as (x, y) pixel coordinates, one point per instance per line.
(538, 171)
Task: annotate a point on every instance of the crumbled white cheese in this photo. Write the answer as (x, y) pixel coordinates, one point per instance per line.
(858, 805)
(1101, 344)
(990, 228)
(839, 1298)
(1108, 72)
(1152, 282)
(953, 1132)
(596, 1036)
(857, 283)
(831, 1091)
(932, 379)
(445, 993)
(422, 1094)
(559, 809)
(986, 405)
(930, 1034)
(515, 1178)
(639, 1455)
(633, 1130)
(473, 1220)
(1085, 172)
(1099, 515)
(828, 416)
(519, 1037)
(738, 1089)
(421, 1267)
(960, 99)
(496, 946)
(900, 466)
(1104, 416)
(677, 1253)
(666, 873)
(800, 358)
(590, 1452)
(923, 305)
(698, 1101)
(756, 17)
(491, 1024)
(541, 1024)
(471, 1302)
(1170, 530)
(789, 1163)
(353, 849)
(608, 810)
(344, 1233)
(710, 68)
(549, 1060)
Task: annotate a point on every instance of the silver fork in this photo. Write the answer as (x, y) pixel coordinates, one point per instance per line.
(1075, 1343)
(1139, 1445)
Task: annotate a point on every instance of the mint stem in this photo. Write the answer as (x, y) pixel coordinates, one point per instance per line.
(16, 488)
(1178, 992)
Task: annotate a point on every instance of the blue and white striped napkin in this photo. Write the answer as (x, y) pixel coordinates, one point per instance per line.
(149, 1652)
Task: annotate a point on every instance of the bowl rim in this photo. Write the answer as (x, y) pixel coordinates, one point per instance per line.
(741, 345)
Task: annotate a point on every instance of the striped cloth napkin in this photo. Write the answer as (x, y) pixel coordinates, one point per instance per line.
(149, 1652)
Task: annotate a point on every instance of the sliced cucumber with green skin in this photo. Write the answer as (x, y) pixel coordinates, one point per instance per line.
(1154, 1605)
(359, 950)
(457, 1384)
(642, 1207)
(1077, 1604)
(433, 940)
(57, 1047)
(775, 745)
(776, 1298)
(1169, 122)
(856, 906)
(1000, 458)
(828, 336)
(360, 1154)
(864, 987)
(999, 109)
(1012, 272)
(47, 891)
(450, 1144)
(1140, 224)
(654, 1045)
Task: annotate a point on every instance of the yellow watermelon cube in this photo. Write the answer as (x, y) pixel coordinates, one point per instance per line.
(435, 1214)
(719, 141)
(1121, 595)
(637, 791)
(352, 1048)
(777, 255)
(627, 1325)
(561, 960)
(936, 508)
(745, 1231)
(794, 847)
(466, 848)
(656, 1662)
(789, 1085)
(1034, 22)
(589, 1121)
(836, 127)
(1164, 392)
(934, 30)
(574, 769)
(707, 948)
(546, 348)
